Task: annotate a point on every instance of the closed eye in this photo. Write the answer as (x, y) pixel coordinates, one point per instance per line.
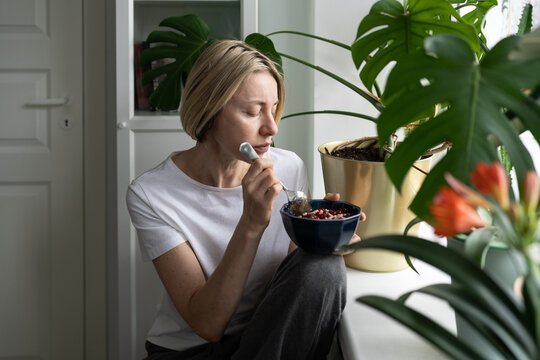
(253, 111)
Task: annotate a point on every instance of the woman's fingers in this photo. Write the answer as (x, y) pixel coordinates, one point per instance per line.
(355, 238)
(260, 186)
(263, 180)
(331, 197)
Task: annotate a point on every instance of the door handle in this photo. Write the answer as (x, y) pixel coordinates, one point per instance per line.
(60, 101)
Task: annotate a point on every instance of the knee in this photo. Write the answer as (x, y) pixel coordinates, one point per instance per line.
(324, 272)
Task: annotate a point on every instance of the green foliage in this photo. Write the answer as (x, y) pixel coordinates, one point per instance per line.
(478, 242)
(525, 23)
(184, 45)
(473, 120)
(505, 161)
(392, 31)
(265, 46)
(506, 323)
(476, 16)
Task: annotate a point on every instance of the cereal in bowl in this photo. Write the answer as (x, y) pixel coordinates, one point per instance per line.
(326, 214)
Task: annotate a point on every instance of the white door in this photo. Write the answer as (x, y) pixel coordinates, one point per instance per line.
(41, 230)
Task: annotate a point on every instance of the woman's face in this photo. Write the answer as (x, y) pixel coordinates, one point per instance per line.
(248, 116)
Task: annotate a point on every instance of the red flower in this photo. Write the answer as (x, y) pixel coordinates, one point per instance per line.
(469, 195)
(492, 180)
(531, 190)
(452, 214)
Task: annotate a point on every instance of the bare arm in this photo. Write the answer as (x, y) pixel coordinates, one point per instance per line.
(207, 305)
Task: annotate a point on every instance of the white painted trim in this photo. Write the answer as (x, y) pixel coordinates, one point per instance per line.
(249, 12)
(95, 187)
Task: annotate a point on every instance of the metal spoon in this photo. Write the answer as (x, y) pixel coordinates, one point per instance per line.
(299, 201)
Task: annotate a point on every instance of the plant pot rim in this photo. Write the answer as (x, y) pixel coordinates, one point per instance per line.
(321, 149)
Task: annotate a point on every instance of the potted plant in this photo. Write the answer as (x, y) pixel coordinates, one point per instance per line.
(501, 322)
(390, 32)
(495, 321)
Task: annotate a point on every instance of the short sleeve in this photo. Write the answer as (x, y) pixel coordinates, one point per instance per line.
(155, 236)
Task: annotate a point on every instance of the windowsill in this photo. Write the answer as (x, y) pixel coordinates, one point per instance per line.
(366, 333)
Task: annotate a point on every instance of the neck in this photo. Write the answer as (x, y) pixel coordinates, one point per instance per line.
(208, 166)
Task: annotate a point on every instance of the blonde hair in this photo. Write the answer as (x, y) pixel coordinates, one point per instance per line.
(214, 79)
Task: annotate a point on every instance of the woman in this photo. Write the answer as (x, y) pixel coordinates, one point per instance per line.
(209, 220)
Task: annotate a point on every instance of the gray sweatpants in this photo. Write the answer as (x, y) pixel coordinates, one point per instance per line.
(295, 320)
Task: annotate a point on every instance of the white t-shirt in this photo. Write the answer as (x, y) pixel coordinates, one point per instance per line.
(164, 208)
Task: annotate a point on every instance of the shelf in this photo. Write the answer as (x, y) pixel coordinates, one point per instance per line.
(148, 113)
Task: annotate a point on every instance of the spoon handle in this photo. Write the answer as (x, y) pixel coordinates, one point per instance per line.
(251, 154)
(248, 151)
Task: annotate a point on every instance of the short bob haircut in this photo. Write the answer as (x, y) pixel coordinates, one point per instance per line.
(214, 79)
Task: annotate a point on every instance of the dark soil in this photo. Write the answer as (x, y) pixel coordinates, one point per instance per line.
(367, 149)
(365, 154)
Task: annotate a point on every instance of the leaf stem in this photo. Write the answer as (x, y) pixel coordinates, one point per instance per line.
(373, 100)
(337, 112)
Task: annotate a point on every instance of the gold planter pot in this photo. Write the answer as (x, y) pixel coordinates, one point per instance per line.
(367, 185)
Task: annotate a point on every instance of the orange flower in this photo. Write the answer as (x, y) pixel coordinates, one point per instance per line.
(469, 195)
(531, 190)
(452, 214)
(492, 180)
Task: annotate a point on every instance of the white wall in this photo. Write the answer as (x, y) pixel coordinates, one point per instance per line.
(307, 89)
(337, 20)
(503, 19)
(295, 133)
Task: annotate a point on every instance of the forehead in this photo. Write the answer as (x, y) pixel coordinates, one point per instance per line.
(258, 85)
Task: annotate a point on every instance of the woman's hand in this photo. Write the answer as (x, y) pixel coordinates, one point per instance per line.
(332, 197)
(355, 238)
(260, 186)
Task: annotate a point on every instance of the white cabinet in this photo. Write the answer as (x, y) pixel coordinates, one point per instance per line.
(143, 139)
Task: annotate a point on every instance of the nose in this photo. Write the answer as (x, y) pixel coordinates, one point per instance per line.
(268, 126)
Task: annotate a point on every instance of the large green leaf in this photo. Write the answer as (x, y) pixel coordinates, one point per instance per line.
(184, 47)
(265, 46)
(496, 301)
(498, 338)
(391, 31)
(424, 326)
(475, 97)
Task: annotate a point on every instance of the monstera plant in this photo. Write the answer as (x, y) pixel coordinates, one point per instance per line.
(184, 43)
(441, 63)
(480, 100)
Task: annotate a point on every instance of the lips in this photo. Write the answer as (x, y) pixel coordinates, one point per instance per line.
(262, 148)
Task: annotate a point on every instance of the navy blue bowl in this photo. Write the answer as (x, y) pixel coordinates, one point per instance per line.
(321, 236)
